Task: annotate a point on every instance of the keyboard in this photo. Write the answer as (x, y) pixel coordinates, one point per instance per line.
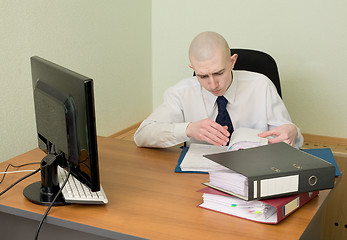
(76, 192)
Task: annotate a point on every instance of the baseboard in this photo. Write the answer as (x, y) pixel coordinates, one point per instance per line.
(318, 138)
(338, 145)
(126, 132)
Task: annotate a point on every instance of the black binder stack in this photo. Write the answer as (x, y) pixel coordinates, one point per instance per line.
(270, 171)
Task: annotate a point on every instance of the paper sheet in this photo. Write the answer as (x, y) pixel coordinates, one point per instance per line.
(241, 138)
(194, 160)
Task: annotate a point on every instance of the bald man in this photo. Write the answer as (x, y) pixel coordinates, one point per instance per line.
(189, 111)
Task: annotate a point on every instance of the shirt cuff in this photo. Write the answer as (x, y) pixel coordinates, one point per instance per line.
(180, 131)
(299, 141)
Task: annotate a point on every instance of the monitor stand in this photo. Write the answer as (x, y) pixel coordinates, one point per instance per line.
(44, 191)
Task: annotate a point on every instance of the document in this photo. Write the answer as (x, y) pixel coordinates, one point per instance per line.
(270, 211)
(243, 138)
(194, 161)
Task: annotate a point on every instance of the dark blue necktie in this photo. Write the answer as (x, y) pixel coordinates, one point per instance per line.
(223, 117)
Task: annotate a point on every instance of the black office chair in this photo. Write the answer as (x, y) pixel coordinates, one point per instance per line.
(257, 61)
(260, 62)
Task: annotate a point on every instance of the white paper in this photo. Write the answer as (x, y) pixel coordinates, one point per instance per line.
(243, 138)
(194, 160)
(230, 180)
(253, 210)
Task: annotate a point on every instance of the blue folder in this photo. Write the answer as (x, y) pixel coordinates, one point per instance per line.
(180, 159)
(323, 153)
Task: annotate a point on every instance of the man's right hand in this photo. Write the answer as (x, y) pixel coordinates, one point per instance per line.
(208, 131)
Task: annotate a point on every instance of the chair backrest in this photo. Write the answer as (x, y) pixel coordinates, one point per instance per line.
(260, 62)
(257, 61)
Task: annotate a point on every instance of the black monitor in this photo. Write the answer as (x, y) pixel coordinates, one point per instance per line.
(65, 121)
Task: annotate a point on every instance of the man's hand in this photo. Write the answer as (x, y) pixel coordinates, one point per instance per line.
(209, 131)
(285, 133)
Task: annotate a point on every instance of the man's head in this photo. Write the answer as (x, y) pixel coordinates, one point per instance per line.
(209, 55)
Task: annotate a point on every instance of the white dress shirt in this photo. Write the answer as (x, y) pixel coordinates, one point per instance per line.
(253, 103)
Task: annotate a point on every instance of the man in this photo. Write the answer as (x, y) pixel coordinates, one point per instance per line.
(189, 111)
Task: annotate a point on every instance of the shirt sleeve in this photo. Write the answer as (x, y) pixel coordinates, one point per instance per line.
(278, 114)
(165, 127)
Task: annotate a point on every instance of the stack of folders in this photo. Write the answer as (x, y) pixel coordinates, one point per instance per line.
(270, 211)
(256, 181)
(264, 183)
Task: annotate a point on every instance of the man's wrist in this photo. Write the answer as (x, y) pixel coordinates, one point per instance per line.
(188, 133)
(180, 131)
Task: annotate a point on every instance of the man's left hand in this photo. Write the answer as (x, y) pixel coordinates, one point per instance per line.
(285, 133)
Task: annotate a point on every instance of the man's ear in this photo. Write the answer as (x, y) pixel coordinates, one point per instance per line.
(233, 59)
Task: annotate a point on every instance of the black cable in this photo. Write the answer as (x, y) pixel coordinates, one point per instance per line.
(16, 166)
(21, 179)
(52, 203)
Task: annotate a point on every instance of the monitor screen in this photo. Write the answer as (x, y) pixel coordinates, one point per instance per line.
(65, 121)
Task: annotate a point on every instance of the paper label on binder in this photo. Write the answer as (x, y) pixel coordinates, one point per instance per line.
(291, 206)
(280, 185)
(255, 189)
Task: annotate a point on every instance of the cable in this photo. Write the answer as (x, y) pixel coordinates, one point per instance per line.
(21, 179)
(52, 203)
(19, 171)
(16, 166)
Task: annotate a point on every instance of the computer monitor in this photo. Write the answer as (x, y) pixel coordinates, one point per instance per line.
(65, 121)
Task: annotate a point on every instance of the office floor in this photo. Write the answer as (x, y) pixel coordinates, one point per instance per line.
(337, 146)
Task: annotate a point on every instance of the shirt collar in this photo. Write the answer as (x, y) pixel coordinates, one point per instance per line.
(229, 94)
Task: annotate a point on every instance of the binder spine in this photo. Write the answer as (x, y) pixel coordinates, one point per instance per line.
(301, 199)
(305, 181)
(275, 186)
(317, 179)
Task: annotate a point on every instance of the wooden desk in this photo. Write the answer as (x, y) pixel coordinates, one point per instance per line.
(147, 199)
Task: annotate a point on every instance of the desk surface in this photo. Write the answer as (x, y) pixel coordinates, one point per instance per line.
(148, 199)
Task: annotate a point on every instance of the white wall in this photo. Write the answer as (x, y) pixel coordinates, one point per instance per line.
(307, 39)
(107, 40)
(113, 42)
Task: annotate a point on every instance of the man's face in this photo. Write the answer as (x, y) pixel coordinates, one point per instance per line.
(215, 74)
